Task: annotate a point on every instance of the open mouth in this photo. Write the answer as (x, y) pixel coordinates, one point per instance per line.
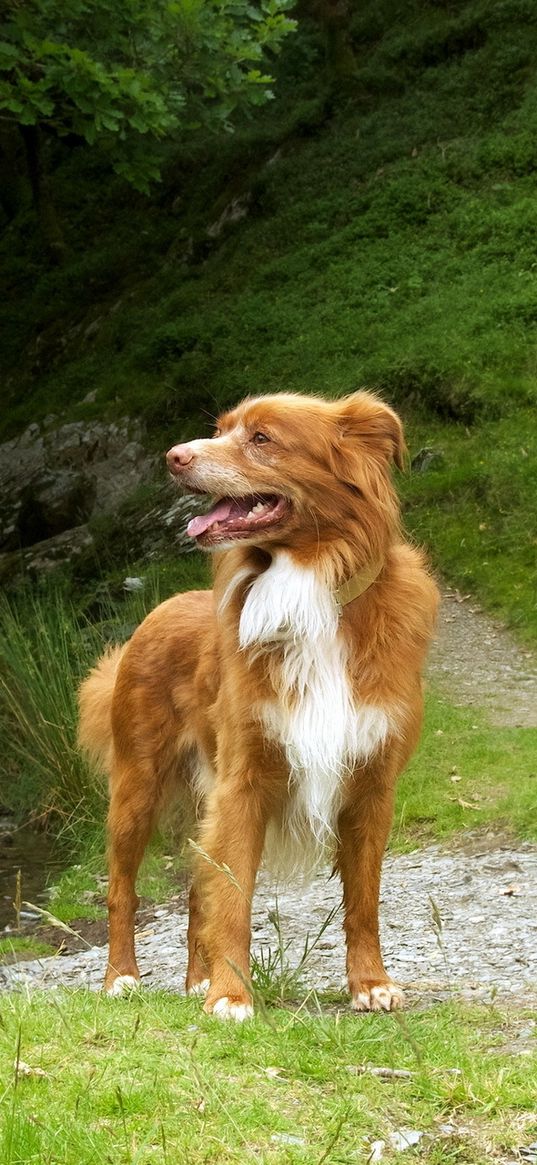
(238, 517)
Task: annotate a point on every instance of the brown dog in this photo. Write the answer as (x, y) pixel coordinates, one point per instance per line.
(286, 701)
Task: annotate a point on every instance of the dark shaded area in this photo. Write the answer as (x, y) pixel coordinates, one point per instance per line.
(66, 500)
(34, 854)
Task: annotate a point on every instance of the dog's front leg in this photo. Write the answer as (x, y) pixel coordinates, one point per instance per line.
(364, 825)
(231, 842)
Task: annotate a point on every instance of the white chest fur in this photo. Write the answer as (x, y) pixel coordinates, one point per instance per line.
(313, 715)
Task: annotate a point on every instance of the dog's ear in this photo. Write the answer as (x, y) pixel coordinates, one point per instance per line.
(365, 417)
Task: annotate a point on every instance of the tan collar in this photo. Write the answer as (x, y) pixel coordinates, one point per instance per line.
(358, 583)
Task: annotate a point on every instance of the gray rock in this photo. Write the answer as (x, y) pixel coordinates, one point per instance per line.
(236, 210)
(91, 331)
(165, 524)
(426, 457)
(57, 503)
(44, 556)
(133, 584)
(55, 479)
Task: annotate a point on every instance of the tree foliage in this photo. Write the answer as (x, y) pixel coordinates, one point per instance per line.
(126, 74)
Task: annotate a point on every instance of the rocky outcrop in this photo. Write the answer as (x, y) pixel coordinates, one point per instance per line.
(44, 556)
(53, 480)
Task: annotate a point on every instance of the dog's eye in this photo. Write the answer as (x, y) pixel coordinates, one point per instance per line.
(260, 438)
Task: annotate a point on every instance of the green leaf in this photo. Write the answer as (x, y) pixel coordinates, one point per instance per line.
(116, 71)
(9, 53)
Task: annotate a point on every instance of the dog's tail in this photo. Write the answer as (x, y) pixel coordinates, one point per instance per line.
(95, 704)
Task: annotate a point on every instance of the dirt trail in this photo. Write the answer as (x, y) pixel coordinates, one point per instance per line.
(476, 662)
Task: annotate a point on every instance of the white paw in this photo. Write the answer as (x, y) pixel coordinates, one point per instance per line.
(199, 988)
(386, 997)
(123, 985)
(224, 1009)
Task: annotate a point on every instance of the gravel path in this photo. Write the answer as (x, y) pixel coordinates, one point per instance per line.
(486, 898)
(476, 662)
(485, 890)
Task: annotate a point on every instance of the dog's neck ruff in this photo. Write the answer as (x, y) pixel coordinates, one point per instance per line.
(358, 583)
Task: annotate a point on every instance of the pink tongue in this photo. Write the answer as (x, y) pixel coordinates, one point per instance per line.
(203, 522)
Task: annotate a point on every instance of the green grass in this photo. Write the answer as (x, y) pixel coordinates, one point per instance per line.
(154, 1081)
(466, 775)
(43, 773)
(23, 947)
(79, 892)
(475, 507)
(46, 648)
(44, 655)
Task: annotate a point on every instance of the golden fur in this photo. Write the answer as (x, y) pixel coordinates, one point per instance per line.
(287, 720)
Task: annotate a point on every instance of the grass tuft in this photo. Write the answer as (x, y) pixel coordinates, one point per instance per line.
(43, 656)
(275, 980)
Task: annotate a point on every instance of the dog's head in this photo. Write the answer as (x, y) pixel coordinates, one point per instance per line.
(294, 470)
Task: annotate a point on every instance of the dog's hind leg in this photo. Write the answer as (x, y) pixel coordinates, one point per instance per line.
(133, 808)
(197, 975)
